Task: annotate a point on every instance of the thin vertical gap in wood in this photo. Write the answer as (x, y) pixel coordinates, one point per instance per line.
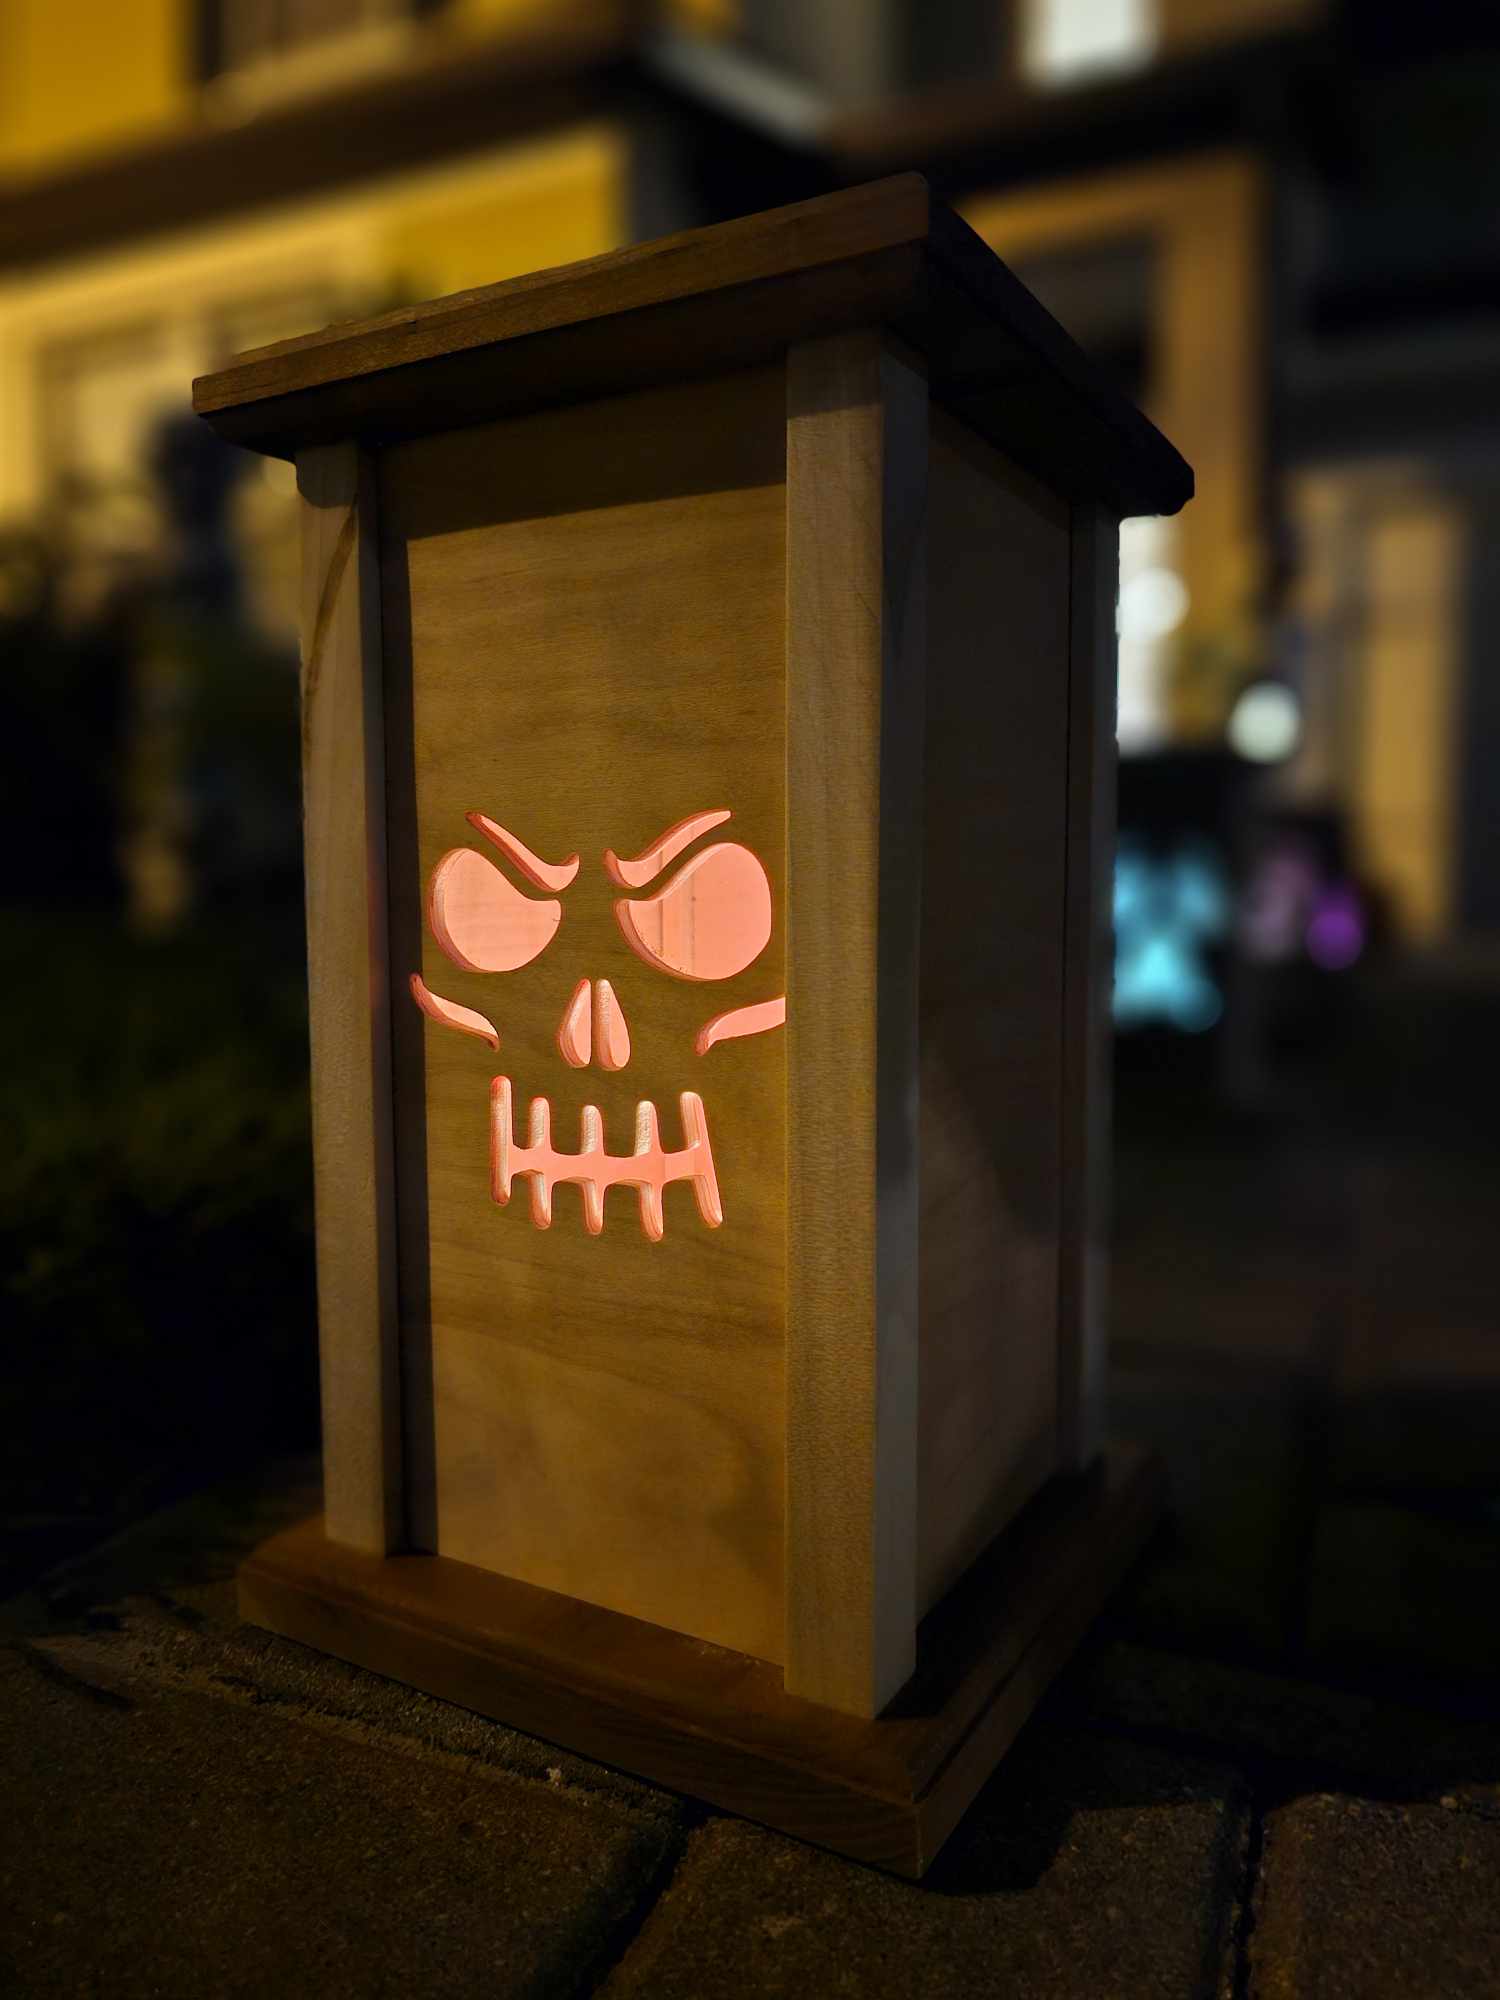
(1088, 961)
(856, 638)
(348, 995)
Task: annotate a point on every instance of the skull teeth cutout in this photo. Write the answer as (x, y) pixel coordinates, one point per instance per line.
(707, 922)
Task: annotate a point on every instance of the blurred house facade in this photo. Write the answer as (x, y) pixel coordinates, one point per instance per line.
(1269, 215)
(185, 180)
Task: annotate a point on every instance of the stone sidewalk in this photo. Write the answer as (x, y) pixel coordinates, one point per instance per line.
(195, 1808)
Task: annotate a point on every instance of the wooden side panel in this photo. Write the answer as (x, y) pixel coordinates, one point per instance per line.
(586, 643)
(856, 617)
(992, 998)
(1083, 1303)
(343, 761)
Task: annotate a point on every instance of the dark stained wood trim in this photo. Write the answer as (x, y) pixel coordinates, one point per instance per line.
(713, 299)
(1003, 365)
(677, 341)
(1088, 965)
(718, 1724)
(452, 102)
(779, 243)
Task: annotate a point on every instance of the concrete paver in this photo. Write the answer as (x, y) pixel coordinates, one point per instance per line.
(193, 1806)
(251, 1667)
(1255, 1718)
(1235, 1436)
(158, 1841)
(1087, 1868)
(1406, 1595)
(1358, 1901)
(186, 1554)
(159, 1602)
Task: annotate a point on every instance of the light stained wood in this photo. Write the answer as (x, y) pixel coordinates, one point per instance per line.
(856, 619)
(585, 623)
(711, 1722)
(991, 998)
(1083, 1302)
(345, 841)
(598, 618)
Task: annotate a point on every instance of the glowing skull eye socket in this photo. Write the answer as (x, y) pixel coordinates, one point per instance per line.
(481, 921)
(710, 921)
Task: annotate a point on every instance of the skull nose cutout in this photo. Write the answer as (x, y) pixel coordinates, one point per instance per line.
(611, 1036)
(593, 1028)
(575, 1030)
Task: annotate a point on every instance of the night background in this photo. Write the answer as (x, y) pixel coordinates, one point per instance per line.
(1277, 222)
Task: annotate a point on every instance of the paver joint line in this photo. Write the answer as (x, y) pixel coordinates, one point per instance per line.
(1243, 1923)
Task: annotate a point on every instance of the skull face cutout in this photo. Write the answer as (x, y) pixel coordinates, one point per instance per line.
(708, 920)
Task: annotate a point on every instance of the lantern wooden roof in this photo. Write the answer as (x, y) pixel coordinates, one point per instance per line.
(706, 300)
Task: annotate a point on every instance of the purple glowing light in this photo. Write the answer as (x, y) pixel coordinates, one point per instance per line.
(1336, 930)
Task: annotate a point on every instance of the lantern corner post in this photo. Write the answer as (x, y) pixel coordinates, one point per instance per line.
(857, 445)
(1088, 968)
(344, 827)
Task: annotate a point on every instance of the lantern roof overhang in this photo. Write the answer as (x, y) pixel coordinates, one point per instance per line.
(888, 254)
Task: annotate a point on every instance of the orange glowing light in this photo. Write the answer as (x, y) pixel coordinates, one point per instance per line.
(753, 1020)
(649, 1169)
(651, 860)
(481, 921)
(710, 921)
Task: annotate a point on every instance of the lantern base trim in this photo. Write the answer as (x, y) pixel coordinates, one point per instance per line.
(718, 1724)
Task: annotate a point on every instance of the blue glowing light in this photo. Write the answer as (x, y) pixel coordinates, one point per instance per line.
(1168, 910)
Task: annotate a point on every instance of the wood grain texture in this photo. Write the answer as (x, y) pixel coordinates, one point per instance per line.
(778, 243)
(856, 623)
(991, 998)
(711, 1722)
(344, 822)
(585, 626)
(1083, 1273)
(712, 299)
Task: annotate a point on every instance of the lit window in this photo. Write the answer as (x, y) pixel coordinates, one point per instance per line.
(1153, 603)
(1071, 41)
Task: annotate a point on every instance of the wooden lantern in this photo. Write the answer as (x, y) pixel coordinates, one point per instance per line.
(708, 731)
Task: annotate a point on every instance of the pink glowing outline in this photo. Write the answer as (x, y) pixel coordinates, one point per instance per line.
(649, 1169)
(729, 950)
(651, 860)
(466, 898)
(540, 874)
(611, 1035)
(756, 1019)
(575, 1030)
(449, 1014)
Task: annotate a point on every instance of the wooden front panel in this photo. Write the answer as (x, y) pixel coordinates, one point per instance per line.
(993, 879)
(584, 640)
